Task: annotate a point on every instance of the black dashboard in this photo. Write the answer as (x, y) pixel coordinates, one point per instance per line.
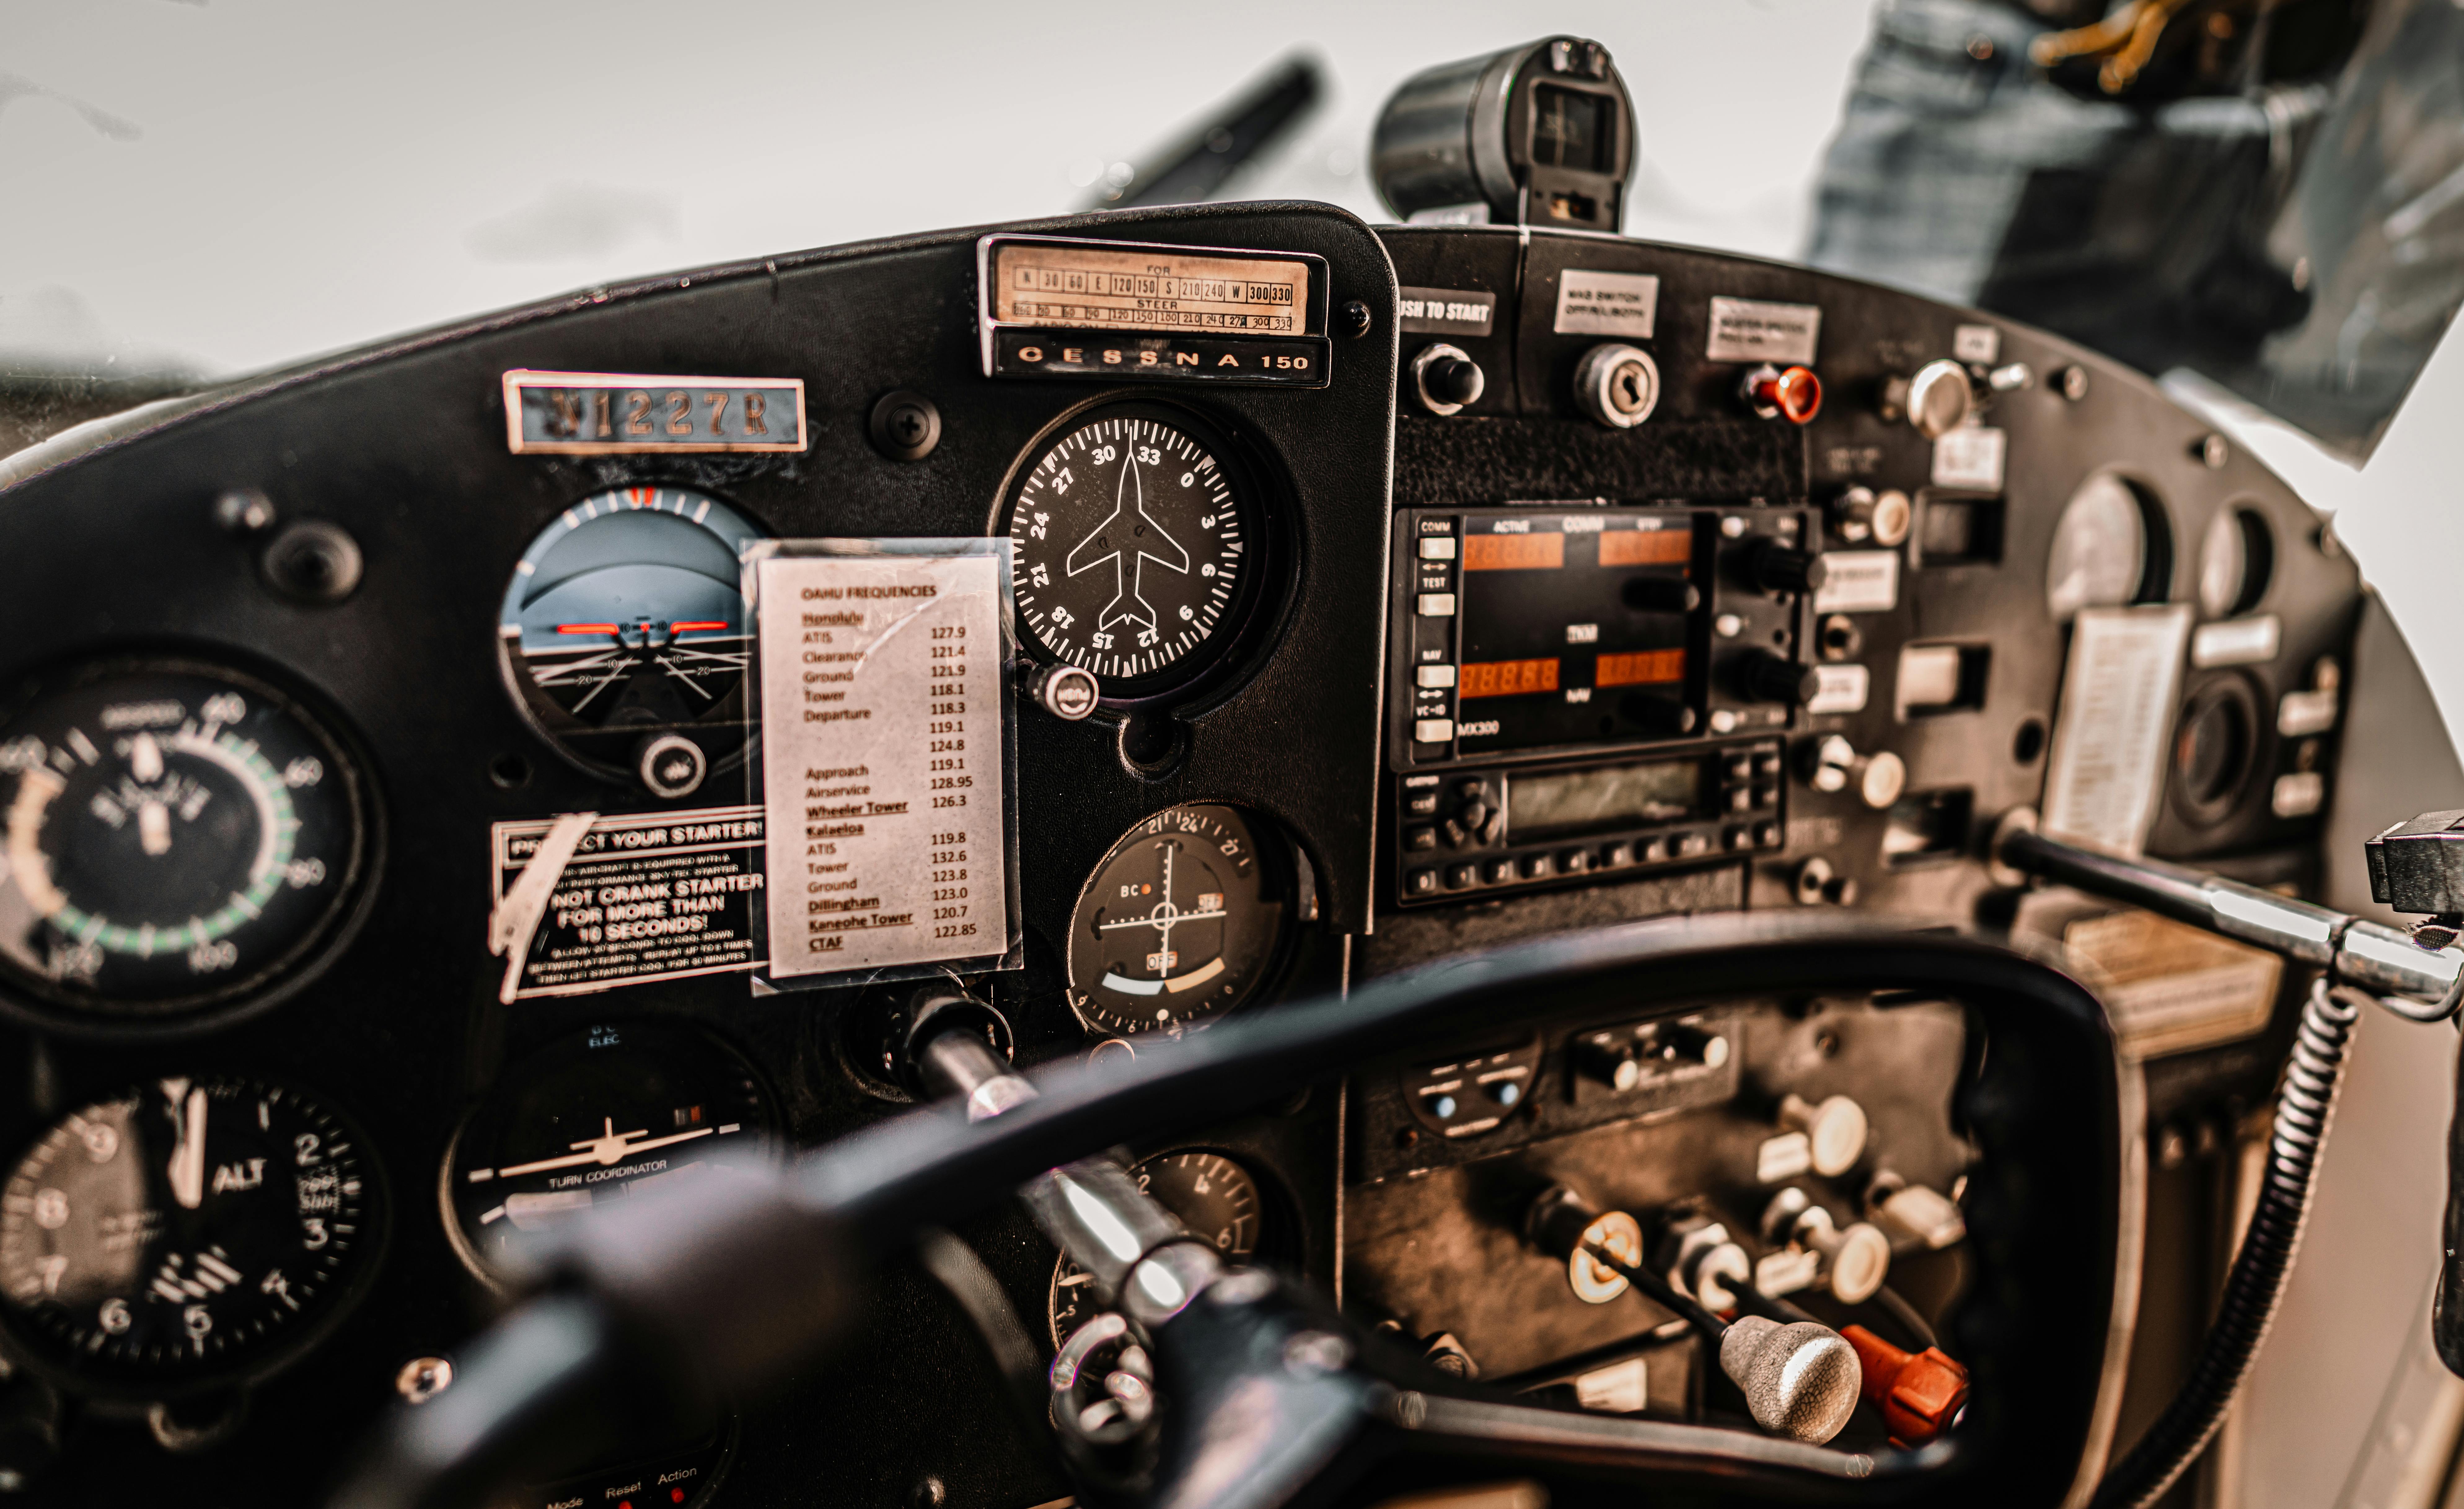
(1371, 596)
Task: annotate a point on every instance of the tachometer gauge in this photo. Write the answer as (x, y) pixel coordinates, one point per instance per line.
(2110, 547)
(1183, 921)
(593, 1117)
(1136, 547)
(1216, 1198)
(184, 1234)
(178, 836)
(625, 622)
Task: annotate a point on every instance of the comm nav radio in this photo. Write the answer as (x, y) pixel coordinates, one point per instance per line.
(1548, 628)
(1464, 831)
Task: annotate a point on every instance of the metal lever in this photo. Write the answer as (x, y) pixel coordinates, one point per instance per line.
(2417, 983)
(1092, 1210)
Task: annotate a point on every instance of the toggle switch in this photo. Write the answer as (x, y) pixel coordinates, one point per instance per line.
(1794, 394)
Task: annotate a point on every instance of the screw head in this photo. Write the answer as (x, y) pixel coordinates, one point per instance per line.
(314, 561)
(1354, 319)
(904, 425)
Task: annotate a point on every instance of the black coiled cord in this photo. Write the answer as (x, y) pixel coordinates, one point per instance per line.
(2303, 1109)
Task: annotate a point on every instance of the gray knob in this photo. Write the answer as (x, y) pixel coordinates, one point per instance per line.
(1617, 384)
(1940, 399)
(1065, 692)
(1800, 1381)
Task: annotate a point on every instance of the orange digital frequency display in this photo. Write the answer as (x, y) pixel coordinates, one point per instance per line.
(1507, 678)
(1645, 547)
(1515, 552)
(1641, 668)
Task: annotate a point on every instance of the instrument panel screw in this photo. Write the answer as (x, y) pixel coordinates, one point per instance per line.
(243, 511)
(2213, 453)
(423, 1378)
(314, 561)
(2074, 382)
(1354, 319)
(904, 425)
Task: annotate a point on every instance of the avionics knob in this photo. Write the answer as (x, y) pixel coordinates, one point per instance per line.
(1835, 1129)
(1766, 677)
(1617, 384)
(1662, 595)
(1610, 1059)
(1939, 399)
(1685, 1043)
(1663, 718)
(1861, 514)
(1447, 378)
(1783, 568)
(1833, 764)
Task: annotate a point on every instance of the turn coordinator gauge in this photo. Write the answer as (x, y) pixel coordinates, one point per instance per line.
(597, 1116)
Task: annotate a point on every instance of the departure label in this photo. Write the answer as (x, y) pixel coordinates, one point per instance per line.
(882, 750)
(646, 896)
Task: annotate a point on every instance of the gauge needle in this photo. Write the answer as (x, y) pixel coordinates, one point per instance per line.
(154, 826)
(607, 1148)
(188, 1152)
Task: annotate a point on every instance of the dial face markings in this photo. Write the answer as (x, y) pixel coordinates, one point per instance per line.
(1131, 547)
(1180, 923)
(594, 1117)
(626, 617)
(173, 834)
(1217, 1201)
(182, 1230)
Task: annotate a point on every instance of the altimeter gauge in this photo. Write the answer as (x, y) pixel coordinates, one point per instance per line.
(1136, 547)
(1183, 921)
(184, 1234)
(178, 835)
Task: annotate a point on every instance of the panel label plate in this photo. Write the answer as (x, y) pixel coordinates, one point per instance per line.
(1298, 362)
(1593, 303)
(1859, 581)
(2118, 692)
(1089, 286)
(647, 896)
(616, 413)
(1970, 458)
(1446, 311)
(883, 752)
(1752, 330)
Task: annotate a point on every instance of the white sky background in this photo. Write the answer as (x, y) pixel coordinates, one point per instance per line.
(230, 184)
(239, 182)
